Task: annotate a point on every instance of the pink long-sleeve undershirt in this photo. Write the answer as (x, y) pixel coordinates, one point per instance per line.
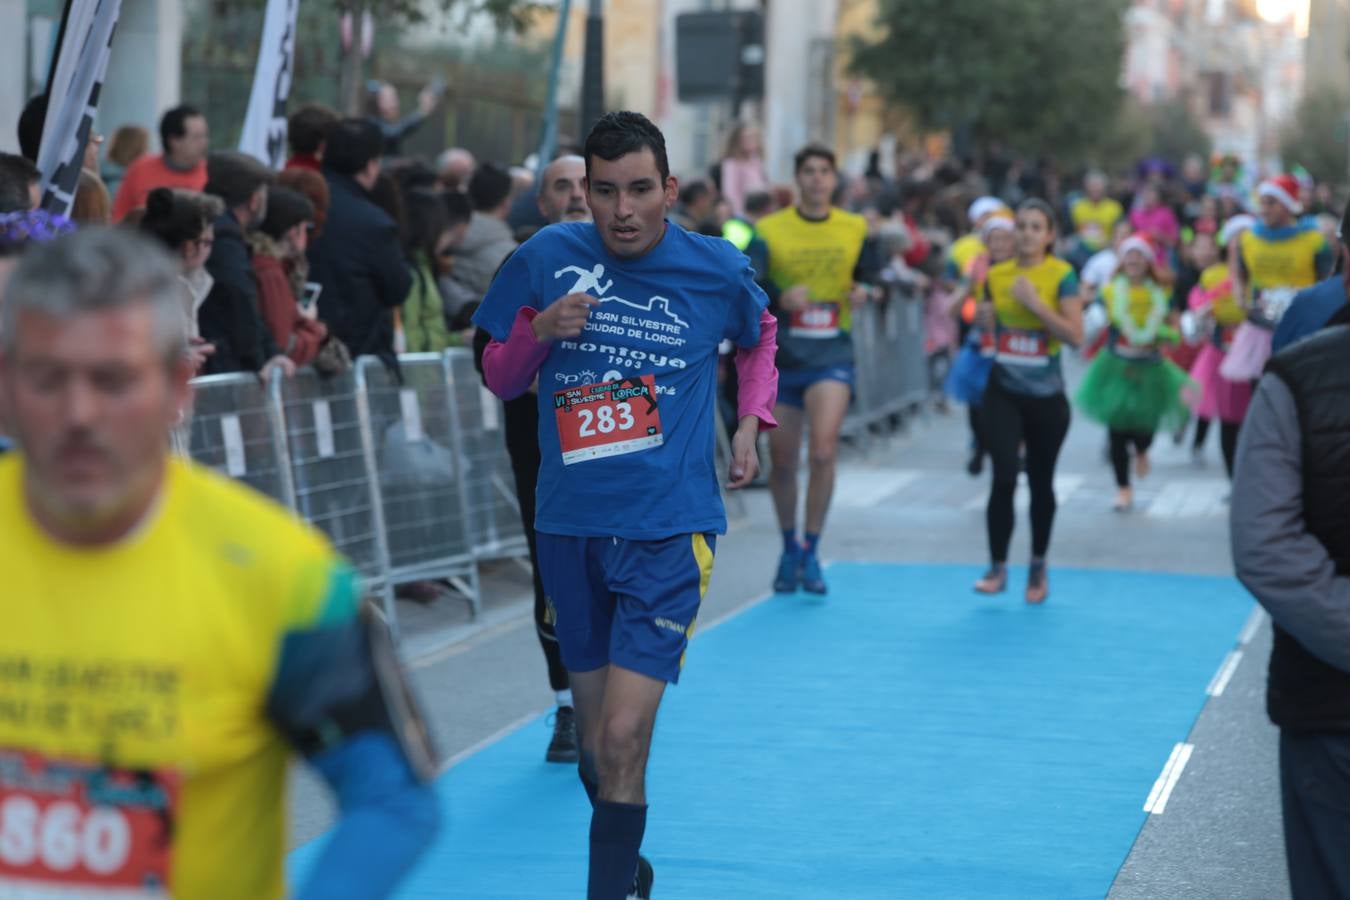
(510, 367)
(757, 376)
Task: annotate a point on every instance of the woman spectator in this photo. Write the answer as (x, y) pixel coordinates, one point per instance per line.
(129, 143)
(743, 167)
(314, 188)
(280, 267)
(430, 238)
(181, 220)
(92, 204)
(1155, 220)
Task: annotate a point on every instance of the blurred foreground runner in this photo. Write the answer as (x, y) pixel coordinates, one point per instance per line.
(170, 637)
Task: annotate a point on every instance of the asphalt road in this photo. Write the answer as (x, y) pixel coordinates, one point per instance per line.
(908, 499)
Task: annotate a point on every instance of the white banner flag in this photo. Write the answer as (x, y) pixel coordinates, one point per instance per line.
(72, 98)
(264, 134)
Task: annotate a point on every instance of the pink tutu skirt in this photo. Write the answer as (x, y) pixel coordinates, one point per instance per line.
(1219, 398)
(1247, 357)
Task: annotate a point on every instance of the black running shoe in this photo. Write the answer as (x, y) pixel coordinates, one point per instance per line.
(563, 747)
(643, 880)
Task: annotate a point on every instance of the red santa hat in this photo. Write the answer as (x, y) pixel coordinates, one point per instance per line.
(1284, 188)
(1137, 242)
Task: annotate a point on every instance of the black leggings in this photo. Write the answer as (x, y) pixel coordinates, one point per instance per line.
(525, 468)
(976, 432)
(1008, 420)
(1228, 438)
(1201, 432)
(1120, 452)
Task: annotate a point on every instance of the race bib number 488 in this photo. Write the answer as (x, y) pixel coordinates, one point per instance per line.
(609, 419)
(71, 830)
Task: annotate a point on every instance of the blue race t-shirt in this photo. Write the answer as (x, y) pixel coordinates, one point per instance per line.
(626, 423)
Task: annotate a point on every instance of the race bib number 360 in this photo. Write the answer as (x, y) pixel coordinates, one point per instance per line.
(609, 419)
(73, 830)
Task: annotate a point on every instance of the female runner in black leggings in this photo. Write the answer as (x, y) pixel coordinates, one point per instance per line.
(1031, 309)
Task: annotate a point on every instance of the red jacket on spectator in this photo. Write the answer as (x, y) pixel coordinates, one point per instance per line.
(298, 337)
(304, 161)
(918, 252)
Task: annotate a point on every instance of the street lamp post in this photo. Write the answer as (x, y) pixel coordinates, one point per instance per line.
(593, 69)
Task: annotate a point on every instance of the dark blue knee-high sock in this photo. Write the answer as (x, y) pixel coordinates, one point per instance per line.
(616, 837)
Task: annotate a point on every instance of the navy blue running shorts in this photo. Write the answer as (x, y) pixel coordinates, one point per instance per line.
(625, 602)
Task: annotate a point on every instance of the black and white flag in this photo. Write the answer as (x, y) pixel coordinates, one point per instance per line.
(72, 98)
(264, 134)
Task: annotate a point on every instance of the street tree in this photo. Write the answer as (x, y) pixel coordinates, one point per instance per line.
(1318, 138)
(1041, 76)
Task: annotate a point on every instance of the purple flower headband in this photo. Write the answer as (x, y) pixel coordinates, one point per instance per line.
(37, 225)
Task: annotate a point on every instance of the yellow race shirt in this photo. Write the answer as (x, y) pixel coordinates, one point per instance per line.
(1136, 320)
(1093, 220)
(823, 256)
(1284, 259)
(964, 251)
(135, 753)
(1227, 311)
(1025, 351)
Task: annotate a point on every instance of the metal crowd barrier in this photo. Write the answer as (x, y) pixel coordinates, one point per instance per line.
(490, 487)
(406, 473)
(891, 367)
(421, 472)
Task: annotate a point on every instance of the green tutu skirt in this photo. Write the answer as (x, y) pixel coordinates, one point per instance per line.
(1135, 395)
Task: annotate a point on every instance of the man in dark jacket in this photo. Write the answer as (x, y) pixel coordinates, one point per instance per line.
(358, 258)
(230, 319)
(1291, 546)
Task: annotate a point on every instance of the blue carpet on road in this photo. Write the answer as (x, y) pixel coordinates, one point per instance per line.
(903, 739)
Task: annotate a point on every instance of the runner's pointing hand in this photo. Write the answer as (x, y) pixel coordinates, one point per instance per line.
(565, 317)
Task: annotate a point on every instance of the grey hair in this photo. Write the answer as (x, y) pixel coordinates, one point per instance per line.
(92, 270)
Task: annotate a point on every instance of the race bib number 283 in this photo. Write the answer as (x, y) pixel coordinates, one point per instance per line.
(76, 831)
(608, 419)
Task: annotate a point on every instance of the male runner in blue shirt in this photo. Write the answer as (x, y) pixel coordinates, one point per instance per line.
(619, 320)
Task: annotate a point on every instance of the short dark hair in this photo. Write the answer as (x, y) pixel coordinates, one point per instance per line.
(620, 133)
(1041, 207)
(694, 191)
(352, 144)
(457, 207)
(308, 126)
(489, 186)
(758, 203)
(31, 122)
(285, 210)
(173, 124)
(176, 217)
(813, 151)
(16, 175)
(235, 177)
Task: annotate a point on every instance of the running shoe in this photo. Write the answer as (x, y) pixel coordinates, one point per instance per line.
(643, 880)
(993, 581)
(563, 748)
(813, 582)
(789, 573)
(1038, 583)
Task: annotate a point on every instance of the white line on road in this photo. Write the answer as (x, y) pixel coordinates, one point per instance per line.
(1258, 615)
(1225, 673)
(1171, 774)
(490, 740)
